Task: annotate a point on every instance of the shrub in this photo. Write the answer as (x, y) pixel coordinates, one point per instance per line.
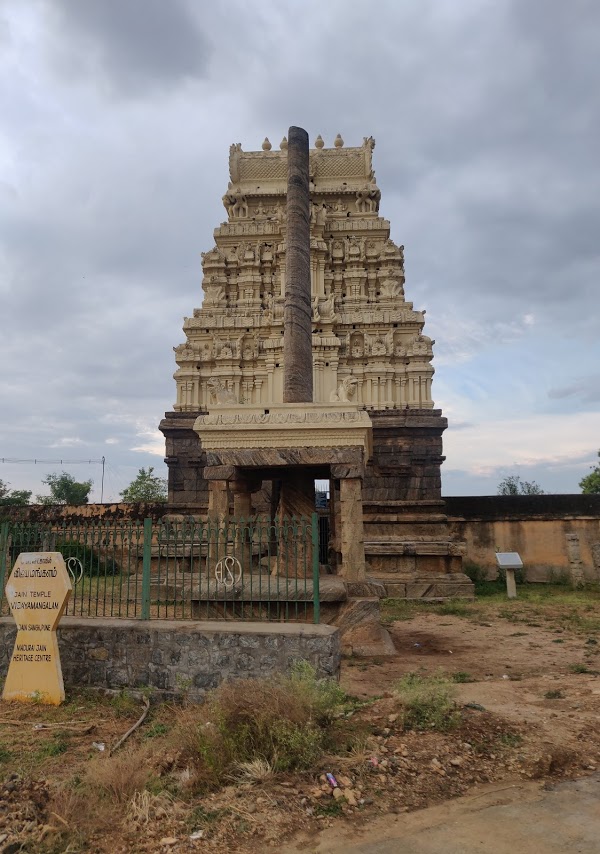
(427, 702)
(283, 722)
(462, 676)
(474, 571)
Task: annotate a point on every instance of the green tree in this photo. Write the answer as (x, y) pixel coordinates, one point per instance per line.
(13, 497)
(145, 487)
(64, 489)
(590, 484)
(513, 485)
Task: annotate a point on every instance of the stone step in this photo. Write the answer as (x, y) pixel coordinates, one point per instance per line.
(251, 588)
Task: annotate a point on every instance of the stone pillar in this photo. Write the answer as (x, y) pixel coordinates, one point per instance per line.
(297, 316)
(242, 499)
(351, 533)
(218, 501)
(297, 500)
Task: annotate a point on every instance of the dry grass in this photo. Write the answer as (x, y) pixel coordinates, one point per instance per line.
(118, 777)
(255, 771)
(252, 729)
(146, 806)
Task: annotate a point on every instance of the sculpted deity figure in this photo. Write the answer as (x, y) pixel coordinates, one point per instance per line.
(421, 346)
(215, 295)
(235, 202)
(368, 198)
(315, 310)
(345, 391)
(269, 308)
(327, 309)
(391, 289)
(218, 392)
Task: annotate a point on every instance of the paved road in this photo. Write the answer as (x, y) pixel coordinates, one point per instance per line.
(522, 819)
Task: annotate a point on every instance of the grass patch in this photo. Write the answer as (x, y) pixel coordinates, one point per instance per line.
(427, 702)
(53, 747)
(5, 755)
(510, 739)
(462, 676)
(579, 668)
(156, 730)
(454, 608)
(554, 695)
(124, 704)
(331, 809)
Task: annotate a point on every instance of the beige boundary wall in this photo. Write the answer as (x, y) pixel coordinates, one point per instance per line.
(556, 535)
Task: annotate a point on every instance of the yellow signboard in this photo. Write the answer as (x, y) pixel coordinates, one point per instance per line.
(37, 592)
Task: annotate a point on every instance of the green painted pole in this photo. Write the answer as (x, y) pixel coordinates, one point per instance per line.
(147, 556)
(315, 557)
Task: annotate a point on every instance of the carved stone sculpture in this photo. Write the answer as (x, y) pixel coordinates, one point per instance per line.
(219, 393)
(345, 391)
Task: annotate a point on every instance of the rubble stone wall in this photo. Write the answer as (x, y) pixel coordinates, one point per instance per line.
(175, 658)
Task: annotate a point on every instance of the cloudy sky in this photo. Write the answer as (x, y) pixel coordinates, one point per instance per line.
(117, 116)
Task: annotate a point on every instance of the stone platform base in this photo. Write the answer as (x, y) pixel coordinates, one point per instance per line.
(429, 587)
(352, 607)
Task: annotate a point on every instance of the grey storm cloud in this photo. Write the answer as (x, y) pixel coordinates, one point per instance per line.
(118, 115)
(135, 46)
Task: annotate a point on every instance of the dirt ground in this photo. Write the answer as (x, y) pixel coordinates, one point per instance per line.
(527, 682)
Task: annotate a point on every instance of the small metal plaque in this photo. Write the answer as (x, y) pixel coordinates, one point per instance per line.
(509, 560)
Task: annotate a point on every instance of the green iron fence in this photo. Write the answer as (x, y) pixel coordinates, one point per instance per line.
(252, 569)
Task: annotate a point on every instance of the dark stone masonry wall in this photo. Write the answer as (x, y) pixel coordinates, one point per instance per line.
(176, 658)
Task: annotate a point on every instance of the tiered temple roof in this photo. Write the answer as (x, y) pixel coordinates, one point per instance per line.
(368, 344)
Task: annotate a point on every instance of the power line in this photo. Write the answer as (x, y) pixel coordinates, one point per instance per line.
(51, 462)
(35, 461)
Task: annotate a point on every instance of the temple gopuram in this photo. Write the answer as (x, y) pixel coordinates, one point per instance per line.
(369, 352)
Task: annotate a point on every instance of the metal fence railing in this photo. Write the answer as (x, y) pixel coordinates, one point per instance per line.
(252, 569)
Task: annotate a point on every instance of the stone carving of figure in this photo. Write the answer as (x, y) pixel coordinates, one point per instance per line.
(315, 310)
(421, 346)
(367, 199)
(378, 348)
(269, 308)
(318, 214)
(354, 249)
(391, 289)
(345, 391)
(184, 352)
(229, 200)
(327, 309)
(357, 350)
(235, 202)
(218, 392)
(281, 213)
(215, 295)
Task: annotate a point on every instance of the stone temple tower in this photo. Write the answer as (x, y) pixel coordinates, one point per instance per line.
(368, 348)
